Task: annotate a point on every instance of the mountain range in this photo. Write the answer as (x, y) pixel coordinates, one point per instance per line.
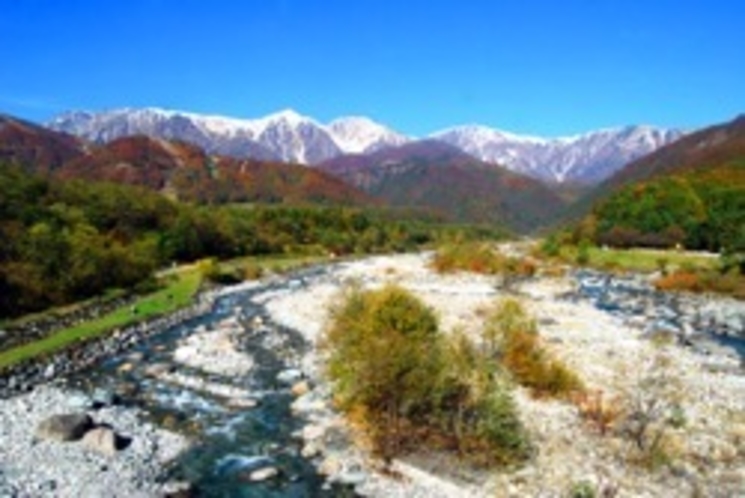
(175, 168)
(290, 137)
(699, 174)
(445, 179)
(428, 176)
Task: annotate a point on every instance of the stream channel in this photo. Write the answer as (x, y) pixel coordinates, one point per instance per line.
(231, 441)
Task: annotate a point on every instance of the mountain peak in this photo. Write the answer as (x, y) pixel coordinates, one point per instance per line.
(360, 134)
(289, 116)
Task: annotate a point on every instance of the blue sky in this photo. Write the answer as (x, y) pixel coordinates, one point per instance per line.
(551, 67)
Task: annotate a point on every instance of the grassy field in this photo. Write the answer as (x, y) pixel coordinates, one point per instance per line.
(260, 265)
(177, 292)
(642, 260)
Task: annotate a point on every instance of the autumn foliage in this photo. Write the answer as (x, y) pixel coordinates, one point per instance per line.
(409, 388)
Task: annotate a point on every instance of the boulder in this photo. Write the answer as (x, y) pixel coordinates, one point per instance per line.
(103, 440)
(66, 427)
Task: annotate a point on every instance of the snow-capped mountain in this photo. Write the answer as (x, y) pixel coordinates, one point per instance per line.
(586, 158)
(361, 135)
(290, 137)
(283, 136)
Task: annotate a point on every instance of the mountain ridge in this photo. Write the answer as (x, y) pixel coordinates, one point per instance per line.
(443, 178)
(292, 137)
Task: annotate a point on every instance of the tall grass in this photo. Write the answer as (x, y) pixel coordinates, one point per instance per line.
(177, 291)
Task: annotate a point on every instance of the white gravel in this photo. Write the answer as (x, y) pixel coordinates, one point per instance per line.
(610, 357)
(41, 468)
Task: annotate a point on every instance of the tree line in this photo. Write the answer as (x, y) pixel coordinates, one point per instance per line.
(702, 210)
(68, 240)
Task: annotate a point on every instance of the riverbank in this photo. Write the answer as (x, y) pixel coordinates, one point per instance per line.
(31, 466)
(615, 354)
(230, 379)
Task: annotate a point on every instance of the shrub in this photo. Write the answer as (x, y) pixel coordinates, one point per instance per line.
(680, 280)
(594, 407)
(470, 256)
(407, 386)
(652, 408)
(583, 252)
(209, 268)
(511, 335)
(252, 271)
(481, 258)
(582, 489)
(550, 246)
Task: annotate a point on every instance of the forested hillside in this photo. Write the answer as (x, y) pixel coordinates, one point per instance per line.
(67, 240)
(690, 193)
(442, 178)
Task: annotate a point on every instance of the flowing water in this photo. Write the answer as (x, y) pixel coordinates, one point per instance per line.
(231, 443)
(694, 320)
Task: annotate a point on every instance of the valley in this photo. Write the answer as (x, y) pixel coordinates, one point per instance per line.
(297, 249)
(197, 368)
(260, 421)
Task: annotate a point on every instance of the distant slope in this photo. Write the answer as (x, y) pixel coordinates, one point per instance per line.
(431, 174)
(690, 192)
(178, 169)
(186, 172)
(34, 147)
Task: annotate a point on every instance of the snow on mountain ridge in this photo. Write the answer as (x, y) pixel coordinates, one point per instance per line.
(359, 134)
(289, 136)
(587, 158)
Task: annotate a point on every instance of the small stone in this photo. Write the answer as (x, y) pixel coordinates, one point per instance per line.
(263, 474)
(301, 388)
(290, 376)
(103, 398)
(331, 466)
(136, 357)
(351, 477)
(178, 489)
(158, 369)
(125, 367)
(78, 401)
(310, 450)
(313, 432)
(243, 402)
(49, 371)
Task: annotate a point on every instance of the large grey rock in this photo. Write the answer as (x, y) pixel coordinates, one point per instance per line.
(66, 427)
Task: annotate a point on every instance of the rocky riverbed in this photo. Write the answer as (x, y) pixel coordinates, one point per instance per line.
(34, 466)
(621, 337)
(232, 400)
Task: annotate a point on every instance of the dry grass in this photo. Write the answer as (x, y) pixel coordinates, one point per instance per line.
(512, 336)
